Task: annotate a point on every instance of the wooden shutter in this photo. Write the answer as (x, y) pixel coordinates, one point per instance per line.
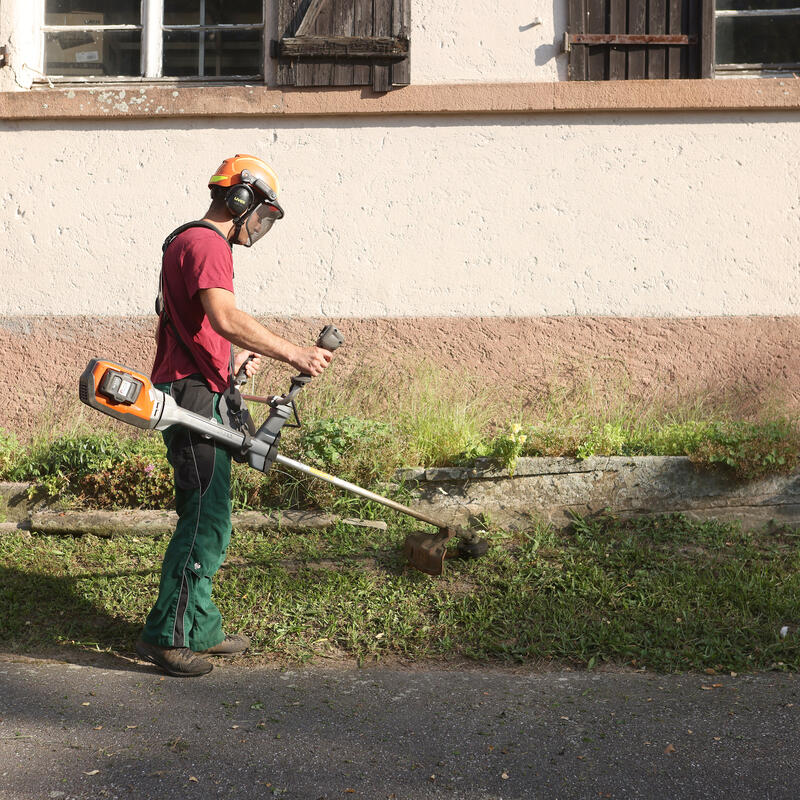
(634, 39)
(343, 43)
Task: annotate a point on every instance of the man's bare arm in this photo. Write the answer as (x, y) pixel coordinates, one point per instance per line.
(244, 331)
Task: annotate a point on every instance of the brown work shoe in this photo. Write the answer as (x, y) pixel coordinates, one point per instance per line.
(229, 646)
(178, 661)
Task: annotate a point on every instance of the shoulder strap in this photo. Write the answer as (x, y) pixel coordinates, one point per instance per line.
(161, 308)
(198, 223)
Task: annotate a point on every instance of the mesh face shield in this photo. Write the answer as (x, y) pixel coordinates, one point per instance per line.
(260, 220)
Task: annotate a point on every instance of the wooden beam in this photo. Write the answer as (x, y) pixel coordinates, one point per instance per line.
(388, 48)
(630, 38)
(310, 17)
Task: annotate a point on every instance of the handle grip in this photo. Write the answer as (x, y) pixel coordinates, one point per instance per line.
(330, 338)
(241, 376)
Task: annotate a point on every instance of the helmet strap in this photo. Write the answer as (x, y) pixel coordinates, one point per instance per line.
(238, 224)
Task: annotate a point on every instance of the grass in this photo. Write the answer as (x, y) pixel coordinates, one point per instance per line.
(364, 428)
(663, 594)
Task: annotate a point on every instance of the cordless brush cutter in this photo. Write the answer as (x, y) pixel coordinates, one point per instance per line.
(129, 396)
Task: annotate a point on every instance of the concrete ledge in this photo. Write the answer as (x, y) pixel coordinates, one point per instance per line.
(155, 523)
(552, 490)
(15, 501)
(137, 100)
(541, 490)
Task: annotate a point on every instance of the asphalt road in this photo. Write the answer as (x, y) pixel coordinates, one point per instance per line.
(118, 729)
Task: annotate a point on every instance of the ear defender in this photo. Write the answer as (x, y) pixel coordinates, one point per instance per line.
(239, 199)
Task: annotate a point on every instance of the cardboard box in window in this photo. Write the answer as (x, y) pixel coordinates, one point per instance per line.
(82, 18)
(74, 52)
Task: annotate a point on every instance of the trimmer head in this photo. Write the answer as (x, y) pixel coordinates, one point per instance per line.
(427, 551)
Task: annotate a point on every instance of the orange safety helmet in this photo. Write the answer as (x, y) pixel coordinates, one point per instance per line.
(252, 196)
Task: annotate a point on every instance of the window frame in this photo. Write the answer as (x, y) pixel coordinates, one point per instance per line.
(153, 30)
(743, 69)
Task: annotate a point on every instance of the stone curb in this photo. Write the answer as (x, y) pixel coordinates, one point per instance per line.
(25, 514)
(550, 490)
(553, 490)
(155, 523)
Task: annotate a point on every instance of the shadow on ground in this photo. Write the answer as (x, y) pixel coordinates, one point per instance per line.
(50, 616)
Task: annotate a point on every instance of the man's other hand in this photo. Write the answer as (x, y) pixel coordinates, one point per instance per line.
(251, 367)
(311, 360)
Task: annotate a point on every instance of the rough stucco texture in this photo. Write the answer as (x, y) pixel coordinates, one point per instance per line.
(488, 40)
(752, 358)
(658, 215)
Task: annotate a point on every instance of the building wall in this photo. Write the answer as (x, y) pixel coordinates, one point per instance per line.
(490, 217)
(524, 249)
(623, 215)
(488, 41)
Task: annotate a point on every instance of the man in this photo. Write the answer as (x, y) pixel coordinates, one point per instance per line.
(198, 324)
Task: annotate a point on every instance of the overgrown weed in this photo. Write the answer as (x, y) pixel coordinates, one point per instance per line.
(365, 429)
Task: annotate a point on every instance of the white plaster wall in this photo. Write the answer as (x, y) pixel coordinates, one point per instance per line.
(650, 215)
(488, 41)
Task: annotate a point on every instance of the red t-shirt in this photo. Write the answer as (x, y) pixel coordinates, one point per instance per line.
(198, 258)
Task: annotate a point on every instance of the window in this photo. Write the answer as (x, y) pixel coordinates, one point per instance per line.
(633, 39)
(201, 39)
(757, 35)
(319, 42)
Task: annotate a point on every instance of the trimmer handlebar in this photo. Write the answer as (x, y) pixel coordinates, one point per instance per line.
(330, 338)
(282, 408)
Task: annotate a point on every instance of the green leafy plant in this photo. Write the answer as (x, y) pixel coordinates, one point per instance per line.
(135, 481)
(751, 450)
(99, 463)
(507, 447)
(608, 439)
(327, 442)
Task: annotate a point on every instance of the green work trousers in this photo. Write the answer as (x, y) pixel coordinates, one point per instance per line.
(184, 614)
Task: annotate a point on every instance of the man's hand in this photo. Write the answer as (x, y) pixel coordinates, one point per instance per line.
(311, 360)
(251, 367)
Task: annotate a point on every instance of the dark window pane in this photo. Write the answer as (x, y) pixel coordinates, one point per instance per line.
(233, 53)
(217, 12)
(182, 12)
(99, 12)
(223, 53)
(244, 12)
(93, 53)
(758, 40)
(181, 53)
(748, 5)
